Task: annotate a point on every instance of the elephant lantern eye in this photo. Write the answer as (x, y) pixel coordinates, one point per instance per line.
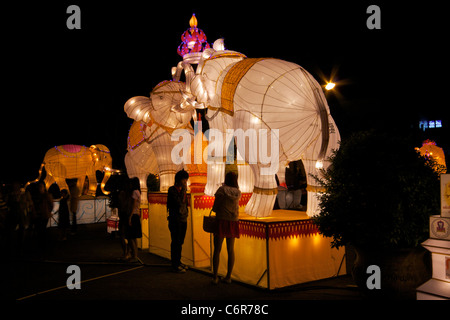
(161, 97)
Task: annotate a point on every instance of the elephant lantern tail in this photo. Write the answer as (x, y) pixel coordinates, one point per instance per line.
(38, 178)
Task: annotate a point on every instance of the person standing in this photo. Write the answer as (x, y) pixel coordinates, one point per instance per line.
(43, 205)
(63, 214)
(177, 206)
(134, 220)
(74, 199)
(226, 207)
(125, 207)
(19, 203)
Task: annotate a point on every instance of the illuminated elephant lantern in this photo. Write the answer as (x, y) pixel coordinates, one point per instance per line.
(76, 162)
(149, 140)
(270, 94)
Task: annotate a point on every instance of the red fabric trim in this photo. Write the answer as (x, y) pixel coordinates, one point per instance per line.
(252, 229)
(203, 202)
(278, 230)
(161, 198)
(245, 197)
(157, 198)
(290, 229)
(197, 187)
(206, 202)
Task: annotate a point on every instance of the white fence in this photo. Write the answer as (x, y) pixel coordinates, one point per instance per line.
(90, 210)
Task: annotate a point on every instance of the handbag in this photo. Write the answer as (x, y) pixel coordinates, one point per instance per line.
(209, 223)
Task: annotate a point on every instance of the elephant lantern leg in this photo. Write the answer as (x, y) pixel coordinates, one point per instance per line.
(166, 179)
(245, 178)
(92, 191)
(49, 180)
(80, 185)
(264, 194)
(61, 182)
(215, 177)
(219, 142)
(313, 189)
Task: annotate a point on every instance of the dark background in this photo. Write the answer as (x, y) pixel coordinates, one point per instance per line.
(69, 86)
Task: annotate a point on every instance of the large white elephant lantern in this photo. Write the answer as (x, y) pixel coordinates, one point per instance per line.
(272, 96)
(245, 93)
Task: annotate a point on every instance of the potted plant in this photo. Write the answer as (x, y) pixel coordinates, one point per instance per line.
(379, 195)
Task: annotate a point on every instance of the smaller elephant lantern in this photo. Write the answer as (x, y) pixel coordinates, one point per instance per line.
(76, 162)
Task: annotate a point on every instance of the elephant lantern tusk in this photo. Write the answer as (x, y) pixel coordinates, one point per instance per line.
(181, 108)
(108, 169)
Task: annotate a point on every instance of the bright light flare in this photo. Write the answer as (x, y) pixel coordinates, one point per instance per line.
(330, 85)
(319, 164)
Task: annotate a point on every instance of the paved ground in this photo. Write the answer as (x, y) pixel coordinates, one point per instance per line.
(104, 276)
(31, 277)
(149, 286)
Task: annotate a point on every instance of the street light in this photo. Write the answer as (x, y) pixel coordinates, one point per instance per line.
(330, 85)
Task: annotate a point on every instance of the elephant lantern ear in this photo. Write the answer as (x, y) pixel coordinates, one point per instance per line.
(94, 152)
(138, 108)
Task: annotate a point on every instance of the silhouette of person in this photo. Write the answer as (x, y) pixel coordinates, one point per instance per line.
(177, 206)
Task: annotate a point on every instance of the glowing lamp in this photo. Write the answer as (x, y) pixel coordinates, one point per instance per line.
(319, 164)
(330, 85)
(429, 149)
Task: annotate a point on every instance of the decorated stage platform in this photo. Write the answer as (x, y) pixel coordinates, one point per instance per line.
(272, 252)
(288, 248)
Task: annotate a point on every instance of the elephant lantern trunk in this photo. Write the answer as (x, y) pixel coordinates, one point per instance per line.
(102, 161)
(105, 179)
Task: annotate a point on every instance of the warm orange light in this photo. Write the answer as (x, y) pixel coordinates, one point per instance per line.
(193, 22)
(294, 242)
(316, 238)
(330, 85)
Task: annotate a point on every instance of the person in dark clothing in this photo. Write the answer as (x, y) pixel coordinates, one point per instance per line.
(63, 214)
(74, 199)
(177, 206)
(134, 228)
(124, 210)
(43, 205)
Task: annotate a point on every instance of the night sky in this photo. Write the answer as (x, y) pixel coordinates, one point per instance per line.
(69, 86)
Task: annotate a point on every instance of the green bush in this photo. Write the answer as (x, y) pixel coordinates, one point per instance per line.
(380, 193)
